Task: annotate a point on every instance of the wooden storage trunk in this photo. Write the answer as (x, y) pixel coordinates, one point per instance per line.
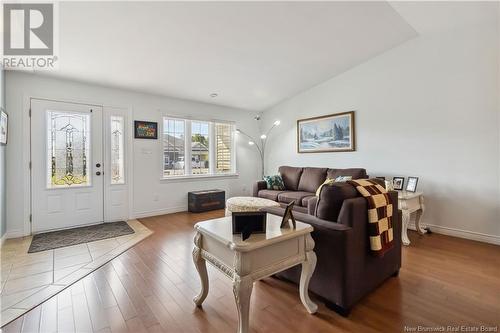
(202, 201)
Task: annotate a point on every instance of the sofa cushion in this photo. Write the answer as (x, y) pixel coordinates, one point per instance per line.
(295, 196)
(311, 179)
(356, 173)
(331, 198)
(269, 194)
(290, 176)
(306, 199)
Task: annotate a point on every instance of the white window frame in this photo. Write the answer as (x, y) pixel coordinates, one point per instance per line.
(211, 150)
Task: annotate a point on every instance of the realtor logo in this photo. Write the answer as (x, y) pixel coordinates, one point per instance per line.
(28, 29)
(30, 36)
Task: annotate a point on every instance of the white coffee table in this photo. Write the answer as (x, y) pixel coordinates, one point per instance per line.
(257, 257)
(248, 204)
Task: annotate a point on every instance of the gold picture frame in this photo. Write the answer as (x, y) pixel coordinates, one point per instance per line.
(325, 134)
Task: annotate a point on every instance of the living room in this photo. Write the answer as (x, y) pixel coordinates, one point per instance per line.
(305, 124)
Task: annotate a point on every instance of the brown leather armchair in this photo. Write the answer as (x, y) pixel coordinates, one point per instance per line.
(346, 271)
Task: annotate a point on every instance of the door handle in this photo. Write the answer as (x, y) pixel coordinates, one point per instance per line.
(98, 173)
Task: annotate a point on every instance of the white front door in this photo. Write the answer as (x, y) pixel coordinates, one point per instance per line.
(67, 165)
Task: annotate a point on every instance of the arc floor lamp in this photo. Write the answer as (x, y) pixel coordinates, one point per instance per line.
(262, 146)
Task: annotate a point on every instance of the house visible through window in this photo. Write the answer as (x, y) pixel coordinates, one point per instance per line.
(173, 147)
(199, 148)
(207, 145)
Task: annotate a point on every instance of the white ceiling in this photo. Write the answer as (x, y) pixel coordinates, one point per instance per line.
(432, 16)
(253, 54)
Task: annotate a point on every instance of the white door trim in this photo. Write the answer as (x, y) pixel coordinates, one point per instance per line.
(26, 155)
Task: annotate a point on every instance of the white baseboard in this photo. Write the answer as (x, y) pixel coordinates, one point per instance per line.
(138, 215)
(472, 235)
(13, 234)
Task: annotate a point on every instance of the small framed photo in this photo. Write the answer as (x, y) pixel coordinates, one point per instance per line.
(145, 129)
(288, 216)
(4, 120)
(412, 184)
(398, 183)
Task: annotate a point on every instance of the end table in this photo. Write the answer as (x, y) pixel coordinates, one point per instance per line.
(411, 204)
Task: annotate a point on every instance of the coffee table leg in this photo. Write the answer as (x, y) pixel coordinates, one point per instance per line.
(242, 290)
(201, 267)
(308, 267)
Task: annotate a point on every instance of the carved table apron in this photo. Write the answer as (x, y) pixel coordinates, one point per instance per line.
(258, 257)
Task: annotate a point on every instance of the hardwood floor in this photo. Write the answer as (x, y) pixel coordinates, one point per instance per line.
(443, 281)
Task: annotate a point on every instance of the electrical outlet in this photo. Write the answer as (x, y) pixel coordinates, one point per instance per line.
(244, 188)
(156, 197)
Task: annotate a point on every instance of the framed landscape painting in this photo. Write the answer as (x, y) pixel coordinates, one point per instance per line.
(331, 133)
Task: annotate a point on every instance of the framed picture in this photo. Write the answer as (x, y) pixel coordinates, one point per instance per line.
(331, 133)
(145, 130)
(412, 184)
(288, 216)
(4, 122)
(398, 183)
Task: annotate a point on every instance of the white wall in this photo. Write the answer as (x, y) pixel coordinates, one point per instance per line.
(3, 216)
(428, 108)
(151, 196)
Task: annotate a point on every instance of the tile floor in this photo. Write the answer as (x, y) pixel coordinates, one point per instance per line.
(27, 279)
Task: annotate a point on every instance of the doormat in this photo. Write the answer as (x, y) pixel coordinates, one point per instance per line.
(56, 239)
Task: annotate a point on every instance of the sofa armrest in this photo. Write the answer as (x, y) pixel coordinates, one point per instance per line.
(311, 206)
(354, 213)
(258, 186)
(309, 219)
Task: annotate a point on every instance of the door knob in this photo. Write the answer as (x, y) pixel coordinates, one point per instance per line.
(98, 165)
(98, 173)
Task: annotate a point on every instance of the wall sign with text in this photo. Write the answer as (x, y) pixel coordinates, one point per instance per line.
(145, 129)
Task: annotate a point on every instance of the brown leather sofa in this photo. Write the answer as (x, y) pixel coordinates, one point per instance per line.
(346, 271)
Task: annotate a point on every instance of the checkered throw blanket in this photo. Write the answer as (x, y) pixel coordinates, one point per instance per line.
(379, 215)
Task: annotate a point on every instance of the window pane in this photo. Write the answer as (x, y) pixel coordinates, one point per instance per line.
(68, 149)
(199, 147)
(223, 148)
(173, 147)
(117, 156)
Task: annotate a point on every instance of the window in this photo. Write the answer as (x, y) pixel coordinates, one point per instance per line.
(223, 148)
(68, 149)
(173, 147)
(207, 145)
(199, 148)
(117, 162)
